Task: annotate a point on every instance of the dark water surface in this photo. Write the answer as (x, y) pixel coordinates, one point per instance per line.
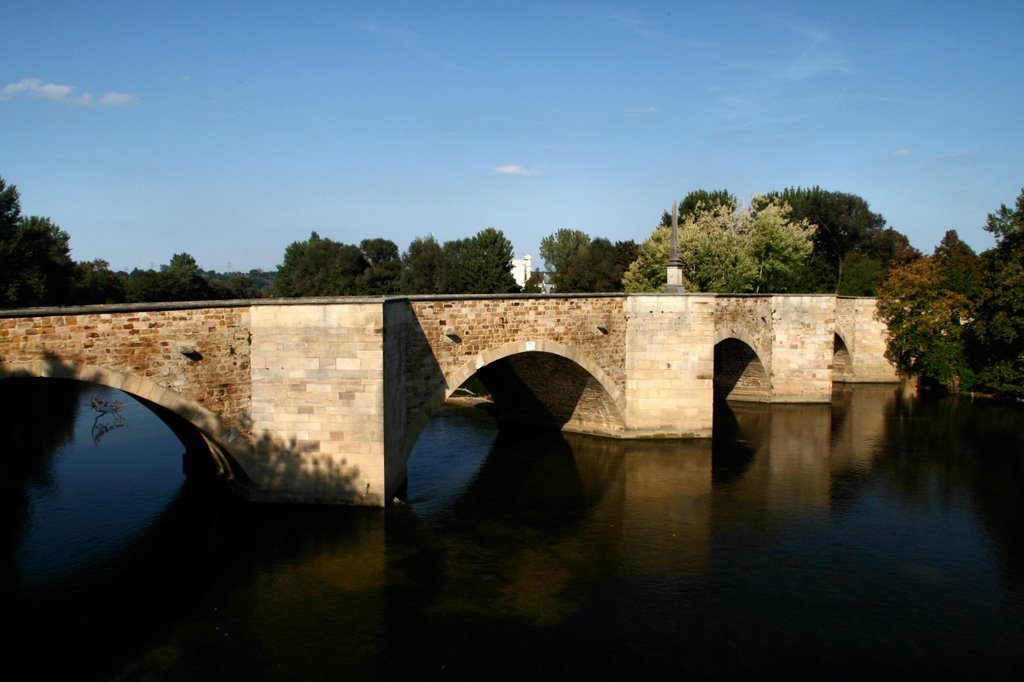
(872, 538)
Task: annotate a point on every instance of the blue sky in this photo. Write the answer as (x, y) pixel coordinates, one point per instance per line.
(230, 129)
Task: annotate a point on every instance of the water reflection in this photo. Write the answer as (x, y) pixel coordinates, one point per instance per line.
(858, 539)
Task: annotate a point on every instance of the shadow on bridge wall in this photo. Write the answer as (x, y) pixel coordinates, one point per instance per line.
(265, 470)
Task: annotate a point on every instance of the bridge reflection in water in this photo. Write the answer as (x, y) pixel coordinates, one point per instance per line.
(760, 552)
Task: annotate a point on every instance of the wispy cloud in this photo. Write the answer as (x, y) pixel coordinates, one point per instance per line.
(899, 153)
(63, 94)
(643, 111)
(513, 169)
(117, 99)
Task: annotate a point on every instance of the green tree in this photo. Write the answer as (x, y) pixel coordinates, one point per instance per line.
(845, 223)
(320, 267)
(593, 268)
(384, 272)
(94, 282)
(484, 264)
(703, 200)
(35, 256)
(44, 269)
(960, 267)
(996, 341)
(423, 267)
(1007, 221)
(925, 323)
(558, 251)
(725, 248)
(778, 246)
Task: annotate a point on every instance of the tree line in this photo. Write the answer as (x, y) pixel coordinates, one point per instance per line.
(956, 318)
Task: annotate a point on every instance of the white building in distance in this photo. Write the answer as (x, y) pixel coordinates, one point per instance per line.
(522, 268)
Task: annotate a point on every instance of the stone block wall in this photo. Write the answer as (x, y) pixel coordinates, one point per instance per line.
(463, 334)
(318, 401)
(669, 365)
(143, 353)
(864, 335)
(803, 335)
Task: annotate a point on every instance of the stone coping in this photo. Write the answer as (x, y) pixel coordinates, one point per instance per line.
(342, 300)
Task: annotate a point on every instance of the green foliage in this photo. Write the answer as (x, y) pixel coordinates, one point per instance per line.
(320, 267)
(481, 264)
(997, 334)
(778, 246)
(423, 267)
(703, 200)
(558, 251)
(593, 268)
(925, 323)
(726, 249)
(384, 274)
(43, 268)
(845, 224)
(35, 256)
(94, 282)
(1006, 221)
(957, 318)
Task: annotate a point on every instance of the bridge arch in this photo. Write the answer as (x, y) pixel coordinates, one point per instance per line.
(590, 402)
(197, 428)
(740, 373)
(842, 359)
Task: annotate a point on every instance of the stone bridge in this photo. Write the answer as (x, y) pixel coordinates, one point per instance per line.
(322, 400)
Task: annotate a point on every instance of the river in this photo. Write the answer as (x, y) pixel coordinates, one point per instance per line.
(875, 537)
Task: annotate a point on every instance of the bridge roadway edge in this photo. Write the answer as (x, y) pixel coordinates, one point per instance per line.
(336, 396)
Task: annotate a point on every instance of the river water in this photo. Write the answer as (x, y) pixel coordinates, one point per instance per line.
(874, 537)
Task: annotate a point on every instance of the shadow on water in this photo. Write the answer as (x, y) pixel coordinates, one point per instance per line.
(802, 541)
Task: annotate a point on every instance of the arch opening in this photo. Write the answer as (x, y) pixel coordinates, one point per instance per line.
(548, 391)
(203, 455)
(842, 362)
(739, 373)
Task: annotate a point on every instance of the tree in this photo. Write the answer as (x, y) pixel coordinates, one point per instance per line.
(384, 272)
(43, 267)
(423, 267)
(959, 266)
(727, 249)
(35, 256)
(320, 267)
(593, 268)
(558, 250)
(483, 264)
(996, 340)
(702, 200)
(94, 282)
(925, 322)
(1006, 222)
(778, 246)
(844, 224)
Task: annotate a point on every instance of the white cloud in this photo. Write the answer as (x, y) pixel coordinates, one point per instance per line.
(117, 99)
(513, 169)
(64, 94)
(901, 153)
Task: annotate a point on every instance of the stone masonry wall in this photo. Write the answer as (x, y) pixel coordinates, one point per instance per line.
(140, 352)
(479, 325)
(803, 334)
(669, 365)
(318, 401)
(864, 335)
